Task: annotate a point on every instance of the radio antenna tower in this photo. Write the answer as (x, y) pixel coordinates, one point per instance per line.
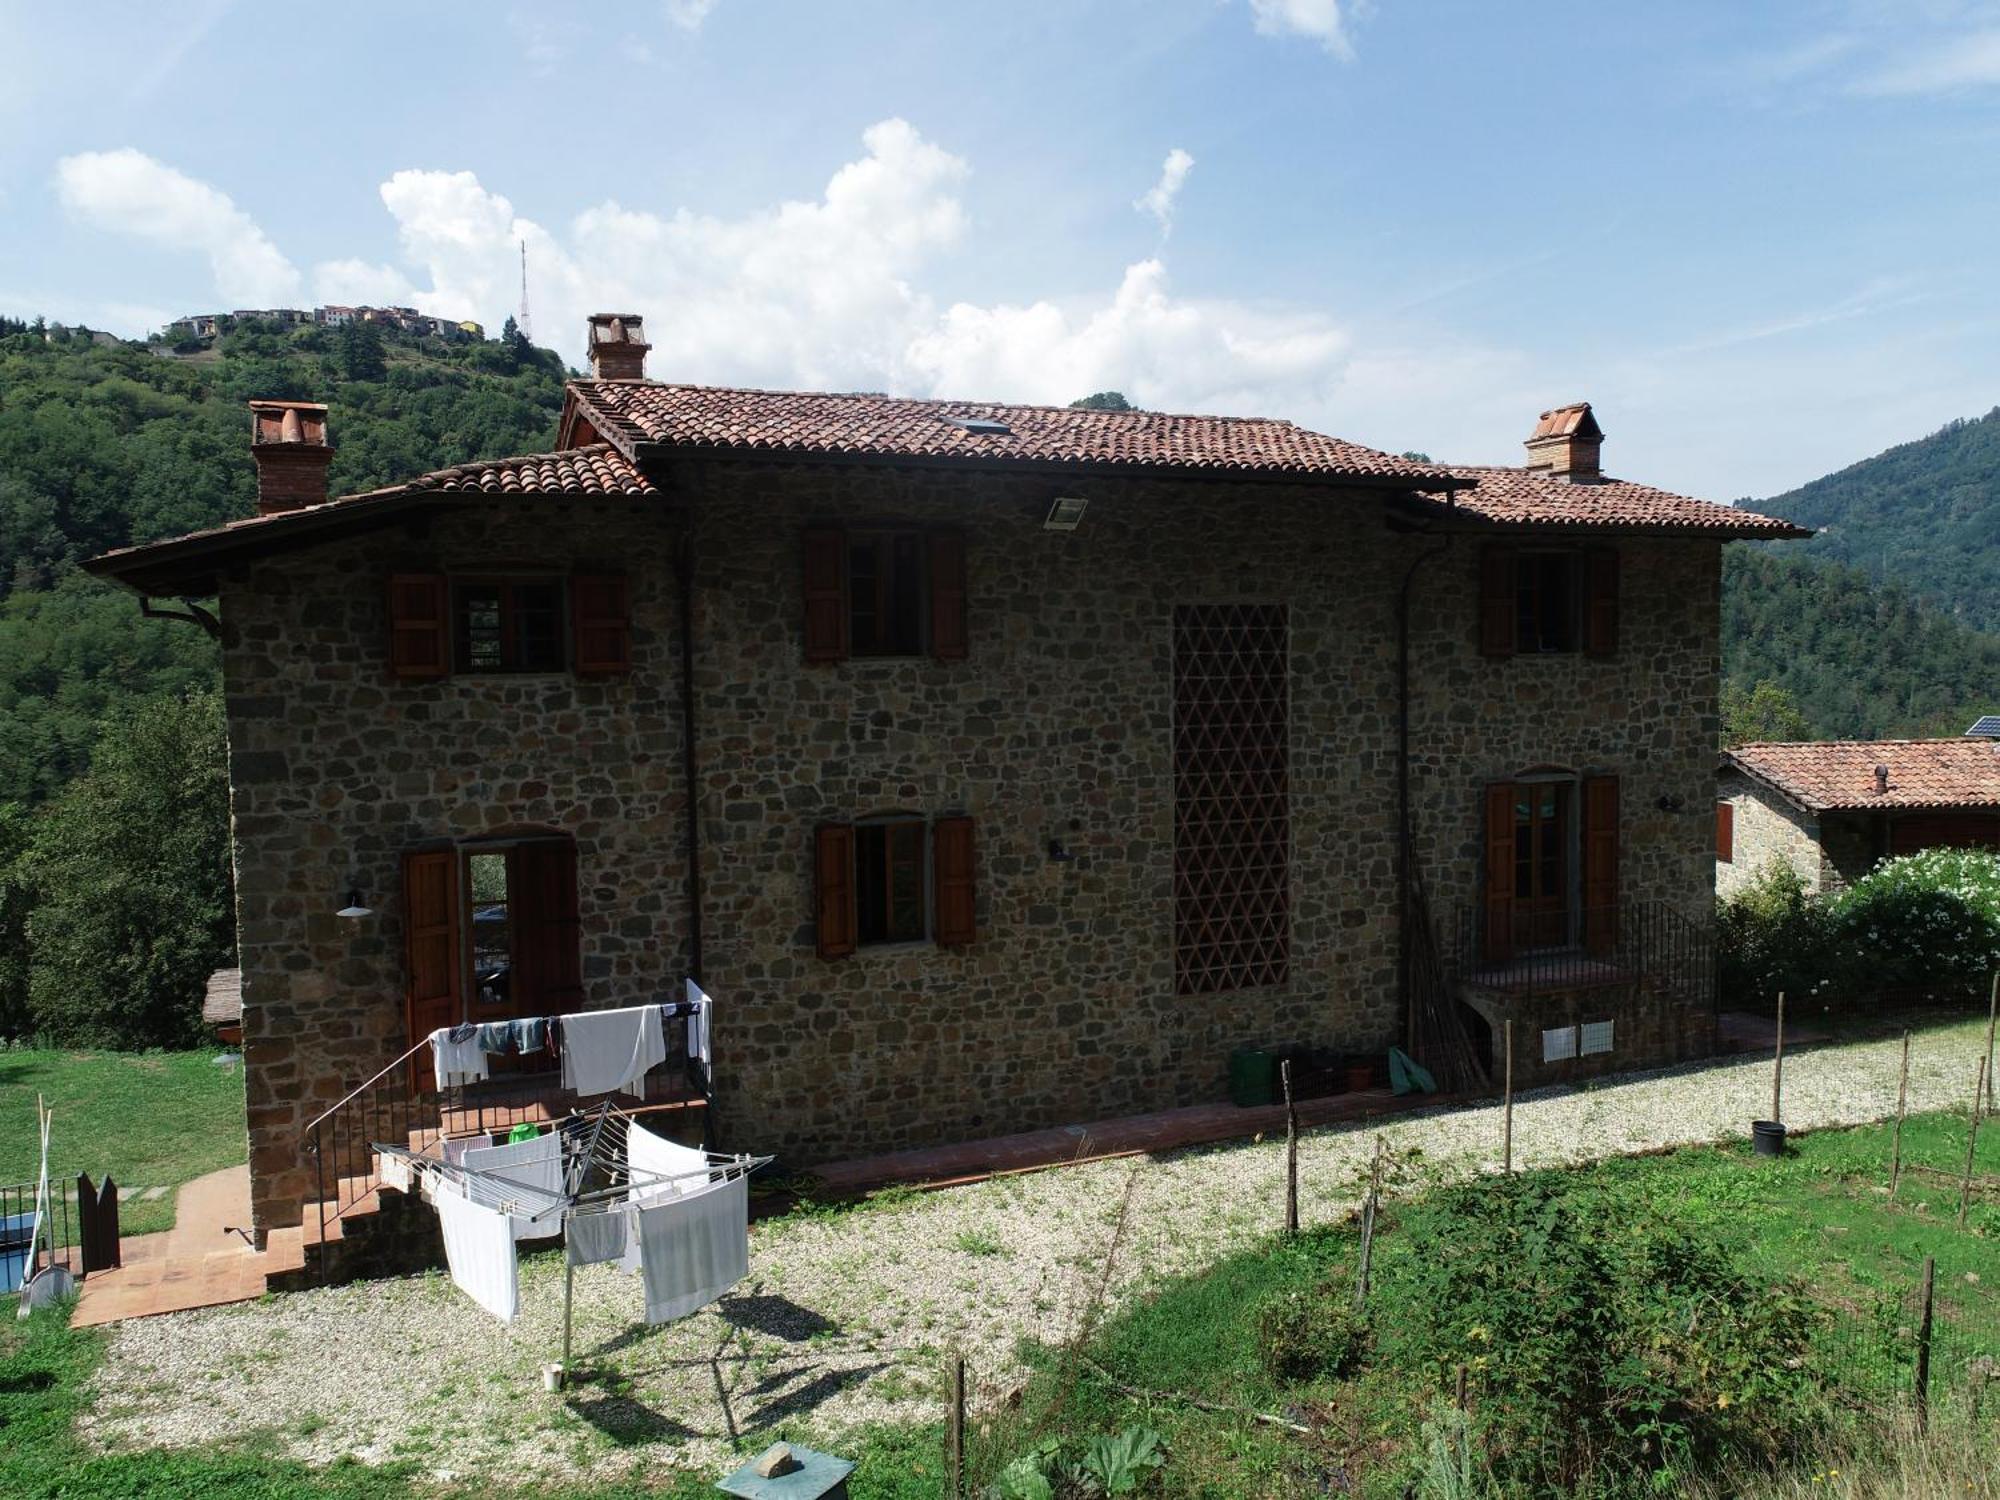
(527, 328)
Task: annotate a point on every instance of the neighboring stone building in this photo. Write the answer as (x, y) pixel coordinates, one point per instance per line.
(1831, 809)
(1037, 757)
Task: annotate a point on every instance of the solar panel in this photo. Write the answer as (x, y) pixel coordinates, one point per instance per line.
(984, 424)
(1987, 727)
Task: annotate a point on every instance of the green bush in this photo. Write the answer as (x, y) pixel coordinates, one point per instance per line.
(1925, 921)
(1601, 1358)
(1773, 935)
(1312, 1334)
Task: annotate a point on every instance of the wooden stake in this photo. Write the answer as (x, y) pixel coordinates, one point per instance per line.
(954, 1437)
(1992, 1019)
(1507, 1107)
(1902, 1109)
(1971, 1144)
(1778, 1065)
(1368, 1228)
(1922, 1389)
(1291, 1151)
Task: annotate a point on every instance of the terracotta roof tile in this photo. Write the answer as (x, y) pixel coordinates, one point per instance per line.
(599, 469)
(1840, 774)
(864, 425)
(1520, 497)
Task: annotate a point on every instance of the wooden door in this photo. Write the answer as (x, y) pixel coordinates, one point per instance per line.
(1541, 864)
(433, 966)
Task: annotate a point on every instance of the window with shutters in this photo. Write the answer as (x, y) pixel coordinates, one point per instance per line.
(1232, 797)
(884, 592)
(508, 624)
(1551, 877)
(1548, 601)
(894, 879)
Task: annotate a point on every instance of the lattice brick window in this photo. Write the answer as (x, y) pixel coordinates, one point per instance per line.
(1232, 808)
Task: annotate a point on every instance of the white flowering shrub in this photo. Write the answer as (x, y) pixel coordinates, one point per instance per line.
(1925, 921)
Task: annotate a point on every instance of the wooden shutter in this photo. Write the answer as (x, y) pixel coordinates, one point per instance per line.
(1600, 609)
(434, 970)
(419, 626)
(948, 640)
(600, 612)
(827, 620)
(1499, 935)
(1600, 863)
(1725, 832)
(547, 974)
(1497, 604)
(951, 869)
(834, 866)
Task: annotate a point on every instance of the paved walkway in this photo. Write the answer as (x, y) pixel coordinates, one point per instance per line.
(197, 1263)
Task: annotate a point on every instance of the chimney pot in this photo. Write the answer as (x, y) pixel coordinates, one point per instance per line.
(617, 346)
(288, 443)
(1881, 780)
(1565, 444)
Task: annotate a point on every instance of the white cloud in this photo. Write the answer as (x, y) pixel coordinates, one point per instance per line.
(689, 14)
(130, 193)
(1949, 66)
(1159, 198)
(1325, 21)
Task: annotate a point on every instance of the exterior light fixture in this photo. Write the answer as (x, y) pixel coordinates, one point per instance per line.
(1059, 853)
(1670, 804)
(1065, 513)
(354, 910)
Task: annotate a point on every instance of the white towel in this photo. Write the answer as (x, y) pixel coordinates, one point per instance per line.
(479, 1248)
(657, 1165)
(698, 1024)
(536, 1164)
(605, 1050)
(456, 1062)
(693, 1248)
(596, 1236)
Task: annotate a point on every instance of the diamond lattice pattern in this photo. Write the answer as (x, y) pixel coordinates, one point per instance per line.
(1232, 808)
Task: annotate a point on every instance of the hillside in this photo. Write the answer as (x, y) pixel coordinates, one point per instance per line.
(1924, 514)
(103, 443)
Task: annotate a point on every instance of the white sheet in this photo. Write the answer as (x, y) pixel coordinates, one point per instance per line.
(607, 1050)
(593, 1237)
(693, 1247)
(659, 1166)
(536, 1164)
(479, 1247)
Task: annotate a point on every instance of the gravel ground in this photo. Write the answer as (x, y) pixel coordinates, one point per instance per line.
(842, 1318)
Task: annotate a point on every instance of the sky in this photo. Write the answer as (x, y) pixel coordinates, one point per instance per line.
(1760, 238)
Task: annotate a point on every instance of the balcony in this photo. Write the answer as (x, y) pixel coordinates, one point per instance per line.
(1634, 945)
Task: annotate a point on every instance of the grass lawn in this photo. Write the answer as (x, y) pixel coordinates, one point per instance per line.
(1820, 1219)
(148, 1119)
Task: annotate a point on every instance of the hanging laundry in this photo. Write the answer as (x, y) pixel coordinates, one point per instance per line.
(535, 1163)
(697, 1030)
(657, 1165)
(456, 1056)
(455, 1147)
(692, 1247)
(479, 1248)
(606, 1050)
(596, 1236)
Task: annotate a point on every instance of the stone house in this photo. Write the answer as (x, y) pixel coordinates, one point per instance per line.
(994, 766)
(1832, 809)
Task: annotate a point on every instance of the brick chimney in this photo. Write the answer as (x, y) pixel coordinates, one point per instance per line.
(1565, 443)
(617, 346)
(288, 441)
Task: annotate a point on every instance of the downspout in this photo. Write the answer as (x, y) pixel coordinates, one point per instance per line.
(690, 765)
(1404, 835)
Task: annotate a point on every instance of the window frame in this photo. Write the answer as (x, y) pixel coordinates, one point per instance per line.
(1571, 813)
(1574, 610)
(506, 581)
(882, 538)
(882, 823)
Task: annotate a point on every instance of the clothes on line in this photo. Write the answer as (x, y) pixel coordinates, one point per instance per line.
(591, 1238)
(536, 1165)
(654, 1164)
(456, 1056)
(692, 1246)
(479, 1248)
(607, 1050)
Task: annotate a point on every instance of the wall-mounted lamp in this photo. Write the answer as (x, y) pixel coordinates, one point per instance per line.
(1059, 853)
(1669, 804)
(354, 910)
(1065, 513)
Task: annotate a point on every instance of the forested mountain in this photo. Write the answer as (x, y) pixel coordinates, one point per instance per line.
(1924, 514)
(103, 443)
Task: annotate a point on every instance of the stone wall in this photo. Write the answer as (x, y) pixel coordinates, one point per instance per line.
(1057, 725)
(1769, 828)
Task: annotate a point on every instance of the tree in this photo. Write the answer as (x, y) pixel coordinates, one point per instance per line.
(1104, 401)
(519, 351)
(1417, 458)
(14, 904)
(1765, 712)
(128, 870)
(361, 354)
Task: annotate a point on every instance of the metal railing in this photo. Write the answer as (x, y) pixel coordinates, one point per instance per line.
(389, 1108)
(1632, 944)
(17, 1223)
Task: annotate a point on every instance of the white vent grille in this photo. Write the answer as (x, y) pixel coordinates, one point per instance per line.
(1596, 1037)
(1559, 1044)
